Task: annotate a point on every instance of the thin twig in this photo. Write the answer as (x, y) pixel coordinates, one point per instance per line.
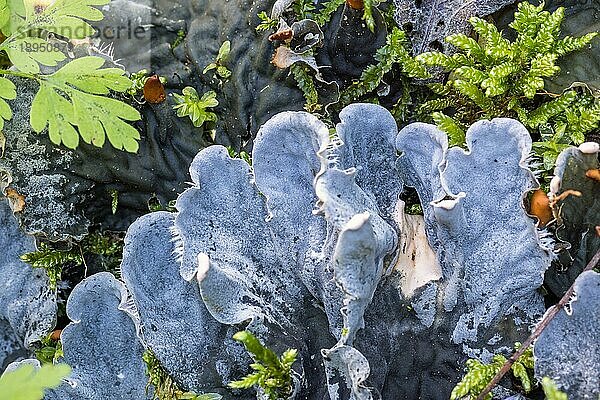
(550, 314)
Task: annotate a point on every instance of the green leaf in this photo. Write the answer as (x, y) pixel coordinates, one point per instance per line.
(224, 51)
(27, 53)
(85, 74)
(27, 383)
(66, 17)
(5, 13)
(223, 72)
(209, 67)
(13, 13)
(551, 390)
(70, 93)
(8, 92)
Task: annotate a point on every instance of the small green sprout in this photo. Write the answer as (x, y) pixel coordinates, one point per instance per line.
(114, 200)
(138, 80)
(109, 248)
(179, 39)
(266, 22)
(191, 105)
(242, 155)
(51, 350)
(218, 65)
(273, 374)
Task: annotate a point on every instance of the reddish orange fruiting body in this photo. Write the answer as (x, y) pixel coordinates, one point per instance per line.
(540, 207)
(154, 91)
(593, 174)
(356, 4)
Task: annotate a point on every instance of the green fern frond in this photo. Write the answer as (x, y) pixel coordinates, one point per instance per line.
(544, 65)
(436, 105)
(581, 119)
(327, 10)
(52, 261)
(479, 375)
(272, 374)
(569, 44)
(496, 46)
(466, 44)
(471, 91)
(164, 386)
(266, 22)
(549, 30)
(369, 6)
(504, 70)
(495, 86)
(470, 74)
(436, 59)
(529, 85)
(394, 52)
(456, 134)
(495, 77)
(440, 89)
(526, 20)
(543, 113)
(303, 9)
(306, 83)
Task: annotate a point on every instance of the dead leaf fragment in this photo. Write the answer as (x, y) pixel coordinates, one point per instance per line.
(285, 34)
(2, 144)
(15, 200)
(56, 334)
(416, 261)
